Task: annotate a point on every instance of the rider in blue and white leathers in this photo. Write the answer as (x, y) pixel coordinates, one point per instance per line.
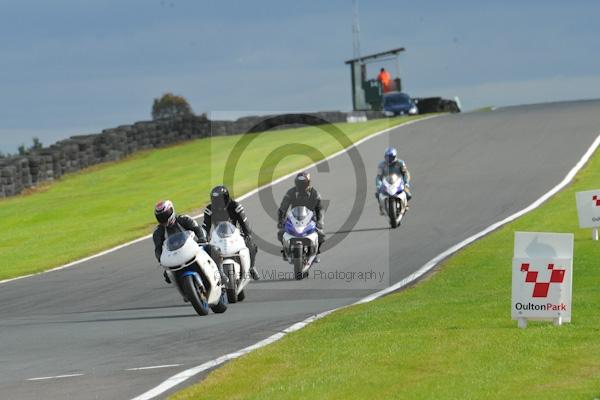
(391, 164)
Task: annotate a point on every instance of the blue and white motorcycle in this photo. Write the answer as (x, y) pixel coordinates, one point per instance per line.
(392, 198)
(194, 273)
(300, 240)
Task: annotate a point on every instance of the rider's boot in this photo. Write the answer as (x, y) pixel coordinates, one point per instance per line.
(317, 257)
(254, 274)
(224, 278)
(381, 212)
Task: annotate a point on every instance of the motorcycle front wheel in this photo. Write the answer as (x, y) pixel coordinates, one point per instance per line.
(298, 267)
(393, 212)
(192, 293)
(232, 285)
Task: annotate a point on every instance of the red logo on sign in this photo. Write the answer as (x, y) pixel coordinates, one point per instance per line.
(596, 200)
(540, 289)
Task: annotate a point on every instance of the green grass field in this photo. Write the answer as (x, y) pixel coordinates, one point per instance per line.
(109, 204)
(448, 337)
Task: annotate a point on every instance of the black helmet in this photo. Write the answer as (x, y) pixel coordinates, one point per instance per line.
(219, 197)
(302, 181)
(164, 211)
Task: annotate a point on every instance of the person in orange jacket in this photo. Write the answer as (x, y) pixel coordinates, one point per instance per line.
(385, 79)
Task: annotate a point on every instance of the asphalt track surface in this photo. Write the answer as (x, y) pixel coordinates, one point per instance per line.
(102, 318)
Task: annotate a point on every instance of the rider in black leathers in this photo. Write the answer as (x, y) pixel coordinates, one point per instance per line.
(170, 223)
(302, 194)
(223, 208)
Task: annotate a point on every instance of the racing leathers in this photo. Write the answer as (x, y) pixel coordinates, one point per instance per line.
(234, 213)
(310, 199)
(186, 223)
(396, 167)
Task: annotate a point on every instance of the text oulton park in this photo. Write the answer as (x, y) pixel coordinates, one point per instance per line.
(541, 307)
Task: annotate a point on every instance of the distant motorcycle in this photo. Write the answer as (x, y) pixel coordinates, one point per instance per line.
(392, 198)
(236, 259)
(194, 273)
(300, 240)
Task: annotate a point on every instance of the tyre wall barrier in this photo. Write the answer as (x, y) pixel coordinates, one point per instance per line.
(18, 173)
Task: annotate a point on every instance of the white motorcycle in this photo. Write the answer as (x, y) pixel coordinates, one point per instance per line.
(300, 240)
(236, 259)
(392, 198)
(194, 273)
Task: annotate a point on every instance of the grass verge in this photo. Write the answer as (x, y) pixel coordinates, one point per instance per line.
(109, 204)
(449, 337)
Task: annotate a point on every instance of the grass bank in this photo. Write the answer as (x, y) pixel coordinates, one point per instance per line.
(449, 337)
(109, 204)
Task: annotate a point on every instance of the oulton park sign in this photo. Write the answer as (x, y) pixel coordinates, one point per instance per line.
(588, 208)
(542, 277)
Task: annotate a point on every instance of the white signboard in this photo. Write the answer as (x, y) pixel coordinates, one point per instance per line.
(588, 206)
(542, 277)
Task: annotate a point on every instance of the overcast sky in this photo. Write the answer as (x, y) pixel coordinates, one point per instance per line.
(72, 67)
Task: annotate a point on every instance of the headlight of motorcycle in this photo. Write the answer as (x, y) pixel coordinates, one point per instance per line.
(413, 110)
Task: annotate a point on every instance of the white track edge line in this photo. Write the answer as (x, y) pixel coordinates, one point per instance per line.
(154, 367)
(184, 375)
(242, 197)
(44, 378)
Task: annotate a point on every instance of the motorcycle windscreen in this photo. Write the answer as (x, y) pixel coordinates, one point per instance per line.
(392, 179)
(176, 241)
(300, 213)
(224, 229)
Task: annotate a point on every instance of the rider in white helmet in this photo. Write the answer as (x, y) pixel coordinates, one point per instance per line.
(170, 223)
(391, 164)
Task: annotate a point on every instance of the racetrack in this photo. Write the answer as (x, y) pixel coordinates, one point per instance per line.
(114, 313)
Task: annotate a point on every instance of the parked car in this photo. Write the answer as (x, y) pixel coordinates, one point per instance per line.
(398, 103)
